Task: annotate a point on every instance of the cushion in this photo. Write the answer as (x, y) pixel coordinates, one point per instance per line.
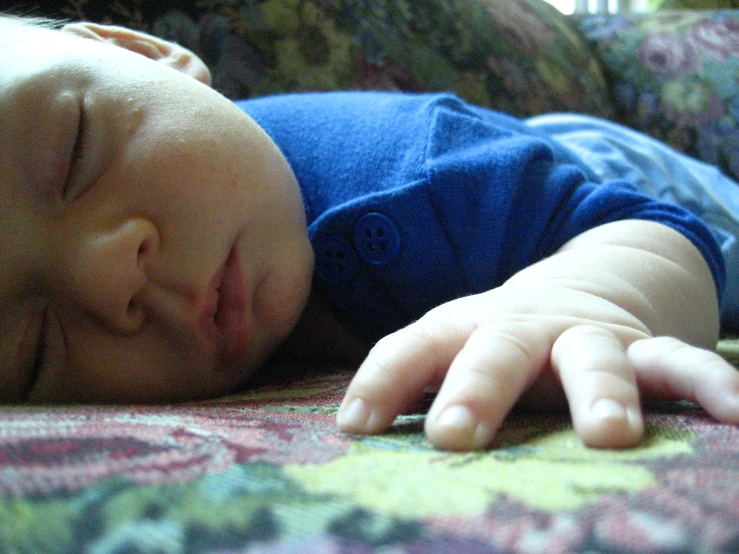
(674, 77)
(519, 56)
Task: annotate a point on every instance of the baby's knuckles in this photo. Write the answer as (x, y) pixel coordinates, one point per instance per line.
(529, 319)
(553, 306)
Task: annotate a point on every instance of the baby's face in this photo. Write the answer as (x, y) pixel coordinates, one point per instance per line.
(153, 239)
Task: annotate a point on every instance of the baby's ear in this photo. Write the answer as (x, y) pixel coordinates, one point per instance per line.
(154, 48)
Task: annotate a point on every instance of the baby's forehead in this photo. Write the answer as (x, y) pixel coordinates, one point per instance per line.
(19, 40)
(29, 52)
(21, 37)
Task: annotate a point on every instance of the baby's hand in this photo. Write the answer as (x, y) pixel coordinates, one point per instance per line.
(485, 357)
(539, 342)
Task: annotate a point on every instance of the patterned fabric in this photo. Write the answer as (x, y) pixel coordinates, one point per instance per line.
(268, 472)
(673, 76)
(519, 56)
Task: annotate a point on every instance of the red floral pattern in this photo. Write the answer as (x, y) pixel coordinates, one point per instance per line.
(259, 472)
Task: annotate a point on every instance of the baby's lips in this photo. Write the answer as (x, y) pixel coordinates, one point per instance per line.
(209, 309)
(231, 317)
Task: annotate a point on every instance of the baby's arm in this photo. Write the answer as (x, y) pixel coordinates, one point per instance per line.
(580, 322)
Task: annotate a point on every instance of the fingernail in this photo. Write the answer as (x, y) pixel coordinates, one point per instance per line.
(461, 419)
(354, 416)
(606, 408)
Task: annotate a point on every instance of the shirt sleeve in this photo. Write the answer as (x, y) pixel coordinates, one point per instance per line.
(592, 204)
(534, 196)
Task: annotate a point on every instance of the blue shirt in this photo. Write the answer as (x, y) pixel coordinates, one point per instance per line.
(414, 200)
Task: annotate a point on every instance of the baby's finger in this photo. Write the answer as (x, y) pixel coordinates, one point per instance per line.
(669, 369)
(484, 381)
(395, 374)
(600, 384)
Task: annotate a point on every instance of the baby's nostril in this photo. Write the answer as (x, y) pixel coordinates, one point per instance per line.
(133, 310)
(143, 252)
(134, 317)
(143, 248)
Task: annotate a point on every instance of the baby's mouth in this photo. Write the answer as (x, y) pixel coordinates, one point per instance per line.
(224, 317)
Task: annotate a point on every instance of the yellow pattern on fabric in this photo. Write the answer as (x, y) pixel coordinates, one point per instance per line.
(550, 472)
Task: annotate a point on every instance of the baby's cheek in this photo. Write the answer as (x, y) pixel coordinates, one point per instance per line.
(152, 366)
(280, 298)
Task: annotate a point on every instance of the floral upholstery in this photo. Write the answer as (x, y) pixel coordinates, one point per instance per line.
(267, 472)
(673, 75)
(519, 56)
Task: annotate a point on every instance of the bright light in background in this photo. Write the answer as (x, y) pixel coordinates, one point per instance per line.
(565, 6)
(593, 6)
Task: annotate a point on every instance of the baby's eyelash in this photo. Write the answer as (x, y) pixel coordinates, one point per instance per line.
(78, 152)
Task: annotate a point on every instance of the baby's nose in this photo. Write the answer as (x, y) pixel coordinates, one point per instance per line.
(109, 271)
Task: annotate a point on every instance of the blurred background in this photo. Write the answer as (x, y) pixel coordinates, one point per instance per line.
(620, 6)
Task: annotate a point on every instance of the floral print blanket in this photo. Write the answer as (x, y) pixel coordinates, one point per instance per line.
(269, 472)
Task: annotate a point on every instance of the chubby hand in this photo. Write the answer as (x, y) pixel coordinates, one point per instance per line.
(542, 340)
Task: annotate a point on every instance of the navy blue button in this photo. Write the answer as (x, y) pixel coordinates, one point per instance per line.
(377, 238)
(336, 261)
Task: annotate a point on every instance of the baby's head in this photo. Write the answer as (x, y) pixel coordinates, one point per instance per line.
(154, 243)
